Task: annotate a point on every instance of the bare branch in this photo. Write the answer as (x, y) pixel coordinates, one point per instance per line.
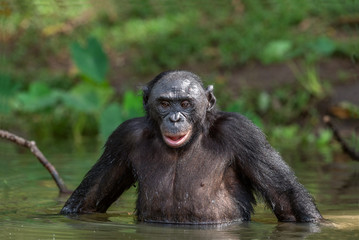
(33, 148)
(346, 148)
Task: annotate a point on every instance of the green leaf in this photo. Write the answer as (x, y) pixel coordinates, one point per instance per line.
(276, 51)
(263, 101)
(323, 46)
(87, 98)
(110, 118)
(90, 59)
(132, 104)
(236, 106)
(239, 107)
(324, 138)
(39, 97)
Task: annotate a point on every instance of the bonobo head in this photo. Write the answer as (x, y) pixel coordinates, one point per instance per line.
(178, 103)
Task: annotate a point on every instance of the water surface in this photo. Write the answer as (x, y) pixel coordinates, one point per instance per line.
(29, 202)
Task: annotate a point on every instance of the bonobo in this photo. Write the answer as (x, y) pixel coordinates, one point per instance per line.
(193, 163)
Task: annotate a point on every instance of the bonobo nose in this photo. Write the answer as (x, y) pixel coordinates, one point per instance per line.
(175, 117)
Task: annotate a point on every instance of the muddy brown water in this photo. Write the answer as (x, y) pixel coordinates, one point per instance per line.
(29, 203)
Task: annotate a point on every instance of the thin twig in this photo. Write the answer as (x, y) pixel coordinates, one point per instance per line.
(33, 148)
(347, 149)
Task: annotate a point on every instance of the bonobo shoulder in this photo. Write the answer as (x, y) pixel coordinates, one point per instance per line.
(231, 119)
(129, 132)
(236, 125)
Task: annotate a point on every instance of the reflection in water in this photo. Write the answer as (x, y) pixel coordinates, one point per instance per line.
(30, 203)
(100, 227)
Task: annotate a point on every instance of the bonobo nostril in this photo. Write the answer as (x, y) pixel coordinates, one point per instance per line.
(175, 117)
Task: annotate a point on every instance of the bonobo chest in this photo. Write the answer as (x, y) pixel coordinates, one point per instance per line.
(186, 187)
(169, 172)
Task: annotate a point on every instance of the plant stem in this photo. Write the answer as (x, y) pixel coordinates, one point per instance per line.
(351, 152)
(34, 149)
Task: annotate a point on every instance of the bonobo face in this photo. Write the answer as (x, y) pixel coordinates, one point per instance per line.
(177, 104)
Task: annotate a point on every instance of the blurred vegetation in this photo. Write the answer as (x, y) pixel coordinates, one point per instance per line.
(69, 68)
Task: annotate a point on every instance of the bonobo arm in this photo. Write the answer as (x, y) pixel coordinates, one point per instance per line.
(270, 175)
(108, 178)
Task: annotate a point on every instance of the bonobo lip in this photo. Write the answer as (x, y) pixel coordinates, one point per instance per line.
(176, 140)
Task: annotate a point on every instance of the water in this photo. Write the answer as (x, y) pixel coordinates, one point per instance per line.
(29, 203)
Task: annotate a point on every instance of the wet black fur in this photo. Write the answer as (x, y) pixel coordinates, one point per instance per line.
(212, 179)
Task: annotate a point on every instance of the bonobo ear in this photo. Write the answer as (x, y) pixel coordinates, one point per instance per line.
(210, 97)
(145, 95)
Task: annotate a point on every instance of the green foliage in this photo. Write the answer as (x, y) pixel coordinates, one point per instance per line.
(150, 37)
(90, 59)
(286, 136)
(132, 105)
(242, 107)
(310, 80)
(154, 36)
(85, 100)
(282, 106)
(88, 98)
(7, 89)
(110, 118)
(276, 51)
(318, 48)
(114, 113)
(279, 109)
(264, 102)
(167, 38)
(354, 141)
(293, 137)
(323, 46)
(39, 97)
(288, 104)
(86, 107)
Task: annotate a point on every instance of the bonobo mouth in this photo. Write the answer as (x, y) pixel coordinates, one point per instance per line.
(177, 140)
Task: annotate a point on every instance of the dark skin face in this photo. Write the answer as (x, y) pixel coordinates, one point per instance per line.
(178, 105)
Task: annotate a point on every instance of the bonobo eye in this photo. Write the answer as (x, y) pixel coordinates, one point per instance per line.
(164, 104)
(185, 104)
